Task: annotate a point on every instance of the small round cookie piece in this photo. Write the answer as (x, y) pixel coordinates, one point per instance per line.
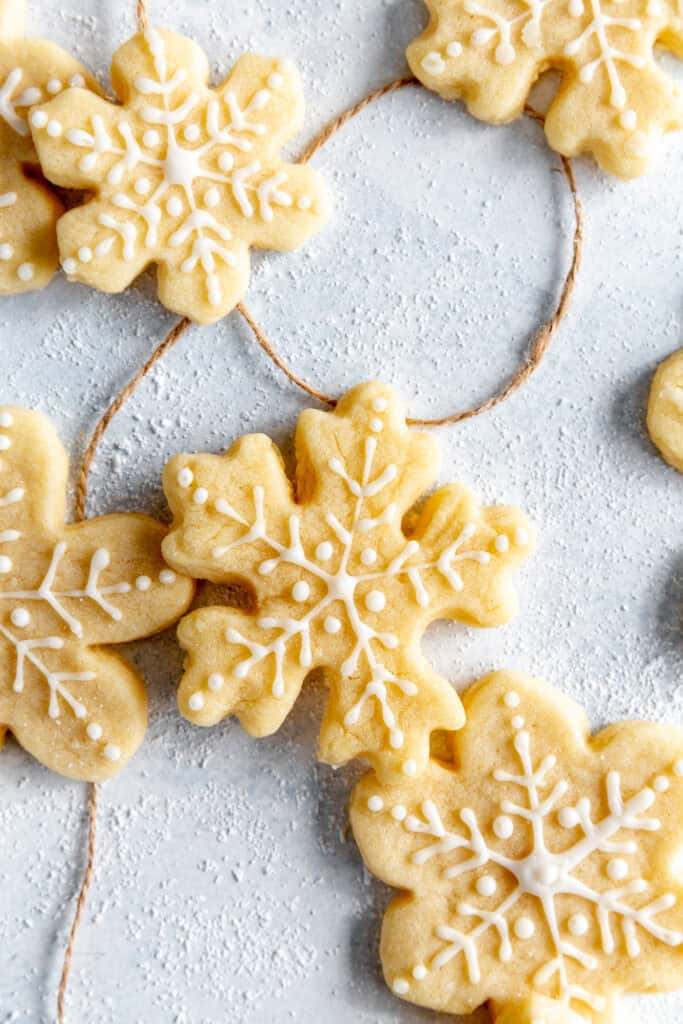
(665, 410)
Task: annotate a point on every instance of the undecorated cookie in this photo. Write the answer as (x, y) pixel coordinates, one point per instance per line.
(665, 410)
(65, 592)
(31, 70)
(540, 872)
(344, 576)
(182, 176)
(613, 101)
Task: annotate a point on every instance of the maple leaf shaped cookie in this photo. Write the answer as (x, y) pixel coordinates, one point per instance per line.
(613, 101)
(31, 70)
(64, 591)
(538, 871)
(340, 581)
(183, 176)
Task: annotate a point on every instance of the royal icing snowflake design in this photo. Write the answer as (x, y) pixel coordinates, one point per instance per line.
(63, 592)
(614, 101)
(541, 869)
(337, 582)
(183, 176)
(30, 71)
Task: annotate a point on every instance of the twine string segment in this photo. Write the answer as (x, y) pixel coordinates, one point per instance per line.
(544, 334)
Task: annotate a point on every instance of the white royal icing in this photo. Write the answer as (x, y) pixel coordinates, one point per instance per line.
(544, 875)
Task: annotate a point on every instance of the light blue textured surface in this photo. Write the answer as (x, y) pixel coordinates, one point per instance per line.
(228, 888)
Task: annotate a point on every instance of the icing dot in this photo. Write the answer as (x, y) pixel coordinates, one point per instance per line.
(409, 767)
(85, 254)
(398, 812)
(628, 120)
(200, 496)
(617, 869)
(142, 186)
(6, 419)
(503, 826)
(323, 552)
(212, 197)
(54, 129)
(226, 161)
(578, 924)
(568, 817)
(191, 132)
(376, 425)
(215, 682)
(434, 63)
(185, 476)
(196, 701)
(419, 972)
(301, 591)
(454, 49)
(505, 53)
(511, 699)
(5, 443)
(94, 731)
(486, 885)
(332, 624)
(54, 86)
(275, 81)
(174, 207)
(517, 722)
(6, 251)
(678, 769)
(25, 271)
(151, 137)
(375, 803)
(69, 265)
(20, 617)
(401, 986)
(521, 538)
(167, 576)
(39, 118)
(524, 928)
(379, 404)
(143, 583)
(5, 563)
(368, 556)
(305, 202)
(112, 752)
(77, 81)
(502, 543)
(661, 784)
(375, 601)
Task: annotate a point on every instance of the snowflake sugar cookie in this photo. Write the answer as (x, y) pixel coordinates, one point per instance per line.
(613, 100)
(665, 410)
(339, 580)
(183, 176)
(31, 71)
(539, 871)
(65, 591)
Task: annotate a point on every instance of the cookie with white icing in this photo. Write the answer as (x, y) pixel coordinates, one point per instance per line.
(31, 71)
(613, 101)
(343, 575)
(181, 175)
(540, 871)
(65, 592)
(665, 410)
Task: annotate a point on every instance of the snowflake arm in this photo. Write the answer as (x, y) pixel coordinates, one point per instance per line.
(183, 175)
(63, 592)
(541, 872)
(337, 583)
(613, 100)
(31, 71)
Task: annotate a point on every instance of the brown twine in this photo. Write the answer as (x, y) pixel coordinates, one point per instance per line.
(544, 334)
